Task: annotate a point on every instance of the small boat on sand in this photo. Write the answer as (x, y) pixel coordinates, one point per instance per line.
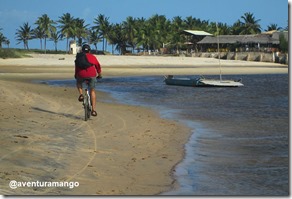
(218, 83)
(180, 81)
(200, 82)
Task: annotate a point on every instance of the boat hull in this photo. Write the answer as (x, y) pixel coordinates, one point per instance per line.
(180, 82)
(201, 82)
(218, 83)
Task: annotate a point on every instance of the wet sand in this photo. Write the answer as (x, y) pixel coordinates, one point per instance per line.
(125, 150)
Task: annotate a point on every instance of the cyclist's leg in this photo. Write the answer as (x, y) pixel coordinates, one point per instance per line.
(79, 88)
(93, 99)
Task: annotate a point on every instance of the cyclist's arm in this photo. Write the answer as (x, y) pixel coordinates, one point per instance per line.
(75, 73)
(98, 68)
(95, 62)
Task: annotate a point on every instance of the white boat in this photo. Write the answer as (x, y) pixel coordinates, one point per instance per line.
(218, 83)
(200, 82)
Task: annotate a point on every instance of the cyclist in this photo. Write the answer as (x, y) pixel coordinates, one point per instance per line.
(91, 73)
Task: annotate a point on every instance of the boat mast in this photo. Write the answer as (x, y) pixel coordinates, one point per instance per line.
(219, 56)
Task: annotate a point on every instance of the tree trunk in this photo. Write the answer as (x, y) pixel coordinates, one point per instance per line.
(45, 45)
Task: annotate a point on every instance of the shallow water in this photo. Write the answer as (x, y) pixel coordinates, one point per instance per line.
(240, 140)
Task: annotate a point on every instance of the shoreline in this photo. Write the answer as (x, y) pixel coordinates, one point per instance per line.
(125, 153)
(137, 140)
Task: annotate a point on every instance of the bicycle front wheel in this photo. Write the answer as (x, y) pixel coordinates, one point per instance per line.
(88, 111)
(86, 108)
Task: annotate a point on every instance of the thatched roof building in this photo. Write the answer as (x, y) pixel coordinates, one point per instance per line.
(266, 41)
(240, 39)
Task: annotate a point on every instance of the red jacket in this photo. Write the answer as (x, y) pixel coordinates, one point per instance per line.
(90, 71)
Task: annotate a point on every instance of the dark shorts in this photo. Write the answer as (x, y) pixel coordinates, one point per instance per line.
(92, 81)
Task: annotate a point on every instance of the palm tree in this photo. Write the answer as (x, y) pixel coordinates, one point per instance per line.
(24, 34)
(162, 30)
(118, 37)
(212, 28)
(250, 24)
(223, 29)
(176, 28)
(146, 33)
(284, 44)
(94, 37)
(7, 42)
(55, 37)
(236, 28)
(39, 33)
(80, 30)
(130, 30)
(3, 39)
(45, 25)
(194, 23)
(273, 27)
(103, 25)
(190, 23)
(67, 27)
(158, 29)
(141, 33)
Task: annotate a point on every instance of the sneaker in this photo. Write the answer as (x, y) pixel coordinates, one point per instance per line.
(93, 113)
(80, 98)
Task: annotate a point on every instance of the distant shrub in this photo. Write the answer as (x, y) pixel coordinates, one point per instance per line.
(19, 53)
(284, 45)
(11, 53)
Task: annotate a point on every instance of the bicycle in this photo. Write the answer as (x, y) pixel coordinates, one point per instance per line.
(86, 99)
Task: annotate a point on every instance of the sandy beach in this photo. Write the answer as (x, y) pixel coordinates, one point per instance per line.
(140, 65)
(125, 150)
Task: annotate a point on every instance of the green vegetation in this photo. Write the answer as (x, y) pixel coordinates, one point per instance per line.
(19, 53)
(3, 39)
(12, 53)
(284, 44)
(138, 34)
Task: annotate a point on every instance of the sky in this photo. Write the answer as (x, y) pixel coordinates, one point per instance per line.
(14, 13)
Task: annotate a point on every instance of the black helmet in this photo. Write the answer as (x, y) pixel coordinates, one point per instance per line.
(86, 48)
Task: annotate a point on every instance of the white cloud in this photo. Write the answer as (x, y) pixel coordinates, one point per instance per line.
(86, 13)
